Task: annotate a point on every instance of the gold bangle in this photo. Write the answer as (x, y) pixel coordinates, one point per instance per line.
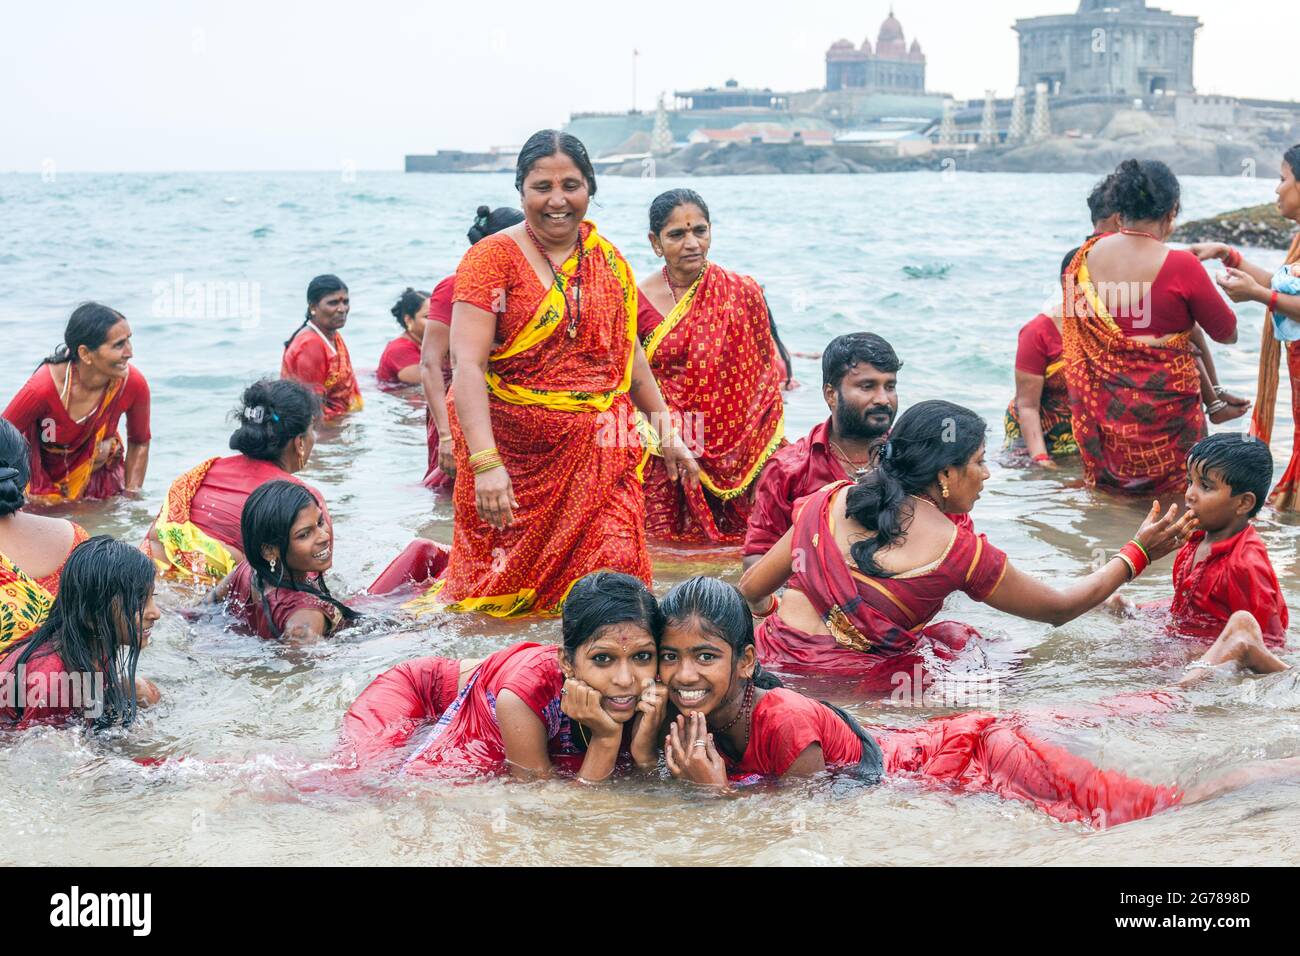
(1132, 568)
(484, 455)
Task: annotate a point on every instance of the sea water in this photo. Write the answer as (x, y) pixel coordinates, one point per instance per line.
(211, 270)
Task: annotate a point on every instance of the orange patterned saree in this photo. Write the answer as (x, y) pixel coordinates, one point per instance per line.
(720, 374)
(563, 425)
(1136, 406)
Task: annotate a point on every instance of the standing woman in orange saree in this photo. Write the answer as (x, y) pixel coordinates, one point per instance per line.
(546, 369)
(709, 339)
(1246, 282)
(70, 409)
(316, 354)
(1131, 305)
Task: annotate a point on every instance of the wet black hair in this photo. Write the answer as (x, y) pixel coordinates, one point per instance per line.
(15, 468)
(408, 304)
(96, 625)
(273, 412)
(549, 142)
(1101, 205)
(88, 325)
(1242, 461)
(845, 351)
(1069, 257)
(662, 206)
(927, 438)
(267, 519)
(602, 598)
(488, 221)
(1292, 158)
(717, 608)
(317, 289)
(1143, 189)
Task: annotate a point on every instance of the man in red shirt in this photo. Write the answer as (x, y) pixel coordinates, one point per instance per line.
(859, 383)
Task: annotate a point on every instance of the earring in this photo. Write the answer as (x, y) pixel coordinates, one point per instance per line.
(943, 487)
(273, 565)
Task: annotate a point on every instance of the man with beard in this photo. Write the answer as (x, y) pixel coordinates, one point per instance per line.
(859, 383)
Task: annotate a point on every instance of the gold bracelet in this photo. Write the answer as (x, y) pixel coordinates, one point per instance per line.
(484, 455)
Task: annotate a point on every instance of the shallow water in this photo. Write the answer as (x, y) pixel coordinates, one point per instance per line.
(947, 268)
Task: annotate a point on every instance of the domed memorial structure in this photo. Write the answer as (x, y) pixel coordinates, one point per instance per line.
(893, 67)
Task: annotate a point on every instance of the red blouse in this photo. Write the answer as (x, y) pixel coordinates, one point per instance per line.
(398, 354)
(1182, 294)
(325, 368)
(784, 725)
(48, 695)
(38, 403)
(218, 504)
(1039, 345)
(1236, 575)
(440, 300)
(246, 607)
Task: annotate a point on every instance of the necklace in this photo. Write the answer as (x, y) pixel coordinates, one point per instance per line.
(924, 496)
(743, 712)
(65, 396)
(1138, 232)
(669, 282)
(860, 468)
(575, 316)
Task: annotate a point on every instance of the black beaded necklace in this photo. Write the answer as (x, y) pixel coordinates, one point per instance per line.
(575, 315)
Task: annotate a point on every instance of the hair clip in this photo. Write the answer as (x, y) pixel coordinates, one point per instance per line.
(255, 414)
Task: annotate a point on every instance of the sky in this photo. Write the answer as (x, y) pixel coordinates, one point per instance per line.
(144, 85)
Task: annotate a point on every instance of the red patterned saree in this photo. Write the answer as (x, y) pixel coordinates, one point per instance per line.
(720, 374)
(1286, 496)
(1136, 406)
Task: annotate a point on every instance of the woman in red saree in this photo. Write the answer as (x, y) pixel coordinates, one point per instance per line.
(1245, 282)
(1130, 308)
(316, 354)
(70, 409)
(1037, 421)
(547, 370)
(196, 536)
(435, 353)
(708, 337)
(400, 362)
(33, 548)
(868, 565)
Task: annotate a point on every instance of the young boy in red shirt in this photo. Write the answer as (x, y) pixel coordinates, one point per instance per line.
(1224, 568)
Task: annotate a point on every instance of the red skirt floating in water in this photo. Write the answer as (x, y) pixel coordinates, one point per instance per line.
(412, 718)
(981, 753)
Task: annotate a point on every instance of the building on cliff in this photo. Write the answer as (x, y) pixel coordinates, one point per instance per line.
(1108, 48)
(892, 68)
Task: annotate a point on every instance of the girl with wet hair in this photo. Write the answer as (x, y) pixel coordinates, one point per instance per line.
(316, 354)
(400, 363)
(733, 724)
(548, 374)
(278, 591)
(81, 663)
(33, 548)
(878, 558)
(196, 537)
(712, 346)
(587, 708)
(70, 409)
(435, 353)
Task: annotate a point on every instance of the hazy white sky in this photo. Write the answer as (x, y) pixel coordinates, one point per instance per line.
(282, 84)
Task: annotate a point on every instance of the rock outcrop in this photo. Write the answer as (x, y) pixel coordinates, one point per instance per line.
(1260, 226)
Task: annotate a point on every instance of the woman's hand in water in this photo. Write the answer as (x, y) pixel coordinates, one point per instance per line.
(1161, 534)
(582, 704)
(690, 754)
(146, 692)
(646, 723)
(495, 498)
(446, 457)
